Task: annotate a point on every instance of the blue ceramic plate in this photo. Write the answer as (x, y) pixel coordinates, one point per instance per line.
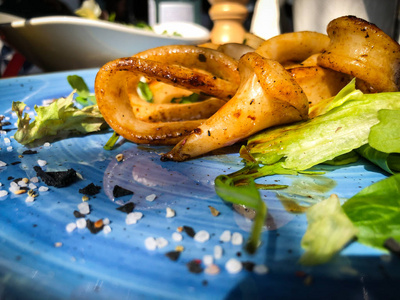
(40, 259)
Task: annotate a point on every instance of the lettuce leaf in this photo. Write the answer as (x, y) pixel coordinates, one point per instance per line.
(385, 136)
(375, 211)
(248, 196)
(329, 230)
(344, 127)
(59, 118)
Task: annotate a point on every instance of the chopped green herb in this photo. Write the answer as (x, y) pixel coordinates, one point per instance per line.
(144, 92)
(84, 97)
(188, 99)
(111, 141)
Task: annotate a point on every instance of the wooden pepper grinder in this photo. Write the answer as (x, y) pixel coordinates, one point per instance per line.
(228, 17)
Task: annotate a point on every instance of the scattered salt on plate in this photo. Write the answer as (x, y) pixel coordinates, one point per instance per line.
(170, 213)
(41, 162)
(218, 251)
(177, 237)
(81, 223)
(225, 236)
(201, 236)
(150, 243)
(237, 238)
(70, 227)
(151, 197)
(233, 266)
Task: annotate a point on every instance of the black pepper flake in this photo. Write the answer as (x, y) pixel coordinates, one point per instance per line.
(90, 190)
(248, 265)
(189, 231)
(120, 191)
(78, 215)
(173, 255)
(29, 151)
(127, 208)
(92, 228)
(202, 58)
(15, 163)
(57, 179)
(392, 245)
(194, 266)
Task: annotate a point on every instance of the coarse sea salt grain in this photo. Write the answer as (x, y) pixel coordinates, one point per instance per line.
(150, 243)
(161, 242)
(133, 217)
(47, 144)
(201, 236)
(84, 208)
(218, 251)
(81, 223)
(32, 186)
(260, 269)
(9, 148)
(7, 141)
(237, 238)
(106, 221)
(177, 237)
(233, 266)
(225, 236)
(34, 180)
(3, 193)
(106, 229)
(29, 199)
(43, 188)
(151, 197)
(70, 227)
(170, 212)
(22, 183)
(3, 164)
(41, 162)
(208, 259)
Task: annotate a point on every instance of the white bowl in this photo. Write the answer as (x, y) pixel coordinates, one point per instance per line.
(66, 43)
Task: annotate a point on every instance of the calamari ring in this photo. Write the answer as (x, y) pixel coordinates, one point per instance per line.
(267, 96)
(162, 111)
(293, 46)
(364, 51)
(200, 70)
(318, 83)
(114, 105)
(213, 73)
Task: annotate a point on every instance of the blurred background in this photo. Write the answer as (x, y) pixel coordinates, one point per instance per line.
(265, 18)
(122, 11)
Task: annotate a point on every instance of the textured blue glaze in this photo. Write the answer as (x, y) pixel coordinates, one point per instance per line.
(118, 266)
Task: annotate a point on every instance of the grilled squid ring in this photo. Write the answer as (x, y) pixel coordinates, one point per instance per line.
(364, 51)
(198, 69)
(161, 109)
(318, 83)
(267, 96)
(293, 46)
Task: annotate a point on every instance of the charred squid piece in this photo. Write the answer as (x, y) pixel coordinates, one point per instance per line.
(114, 104)
(161, 109)
(364, 51)
(199, 70)
(318, 83)
(293, 47)
(267, 96)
